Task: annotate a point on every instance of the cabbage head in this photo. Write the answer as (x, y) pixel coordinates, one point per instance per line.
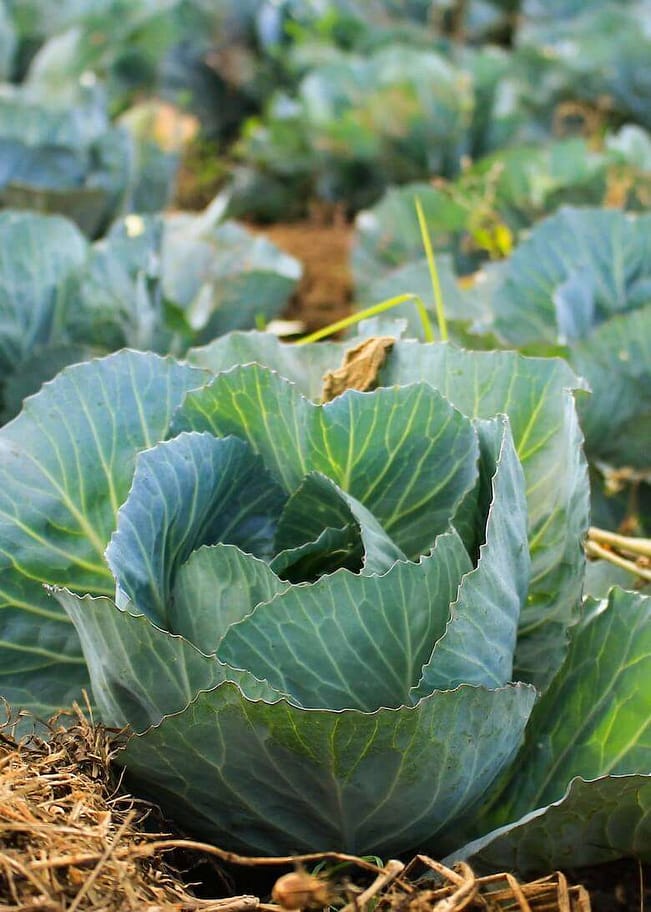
(322, 622)
(324, 599)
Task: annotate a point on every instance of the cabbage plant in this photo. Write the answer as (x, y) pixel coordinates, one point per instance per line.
(325, 624)
(580, 286)
(155, 282)
(65, 156)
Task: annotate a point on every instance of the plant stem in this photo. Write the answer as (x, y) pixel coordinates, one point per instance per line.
(392, 869)
(638, 546)
(373, 311)
(433, 272)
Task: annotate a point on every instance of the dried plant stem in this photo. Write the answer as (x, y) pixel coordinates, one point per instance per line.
(463, 895)
(151, 848)
(104, 857)
(640, 547)
(27, 872)
(612, 547)
(393, 869)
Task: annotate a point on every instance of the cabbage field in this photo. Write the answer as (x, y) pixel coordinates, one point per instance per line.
(382, 588)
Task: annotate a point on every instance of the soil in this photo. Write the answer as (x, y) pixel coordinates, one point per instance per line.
(325, 292)
(620, 886)
(321, 242)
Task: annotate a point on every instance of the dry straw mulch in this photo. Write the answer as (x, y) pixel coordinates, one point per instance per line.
(71, 839)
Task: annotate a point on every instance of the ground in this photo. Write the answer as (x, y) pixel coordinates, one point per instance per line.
(325, 292)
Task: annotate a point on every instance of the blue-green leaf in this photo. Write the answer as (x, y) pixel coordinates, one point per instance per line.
(594, 822)
(577, 268)
(275, 778)
(139, 672)
(304, 365)
(317, 505)
(536, 394)
(40, 258)
(217, 586)
(479, 641)
(404, 453)
(352, 641)
(190, 491)
(66, 464)
(616, 362)
(594, 722)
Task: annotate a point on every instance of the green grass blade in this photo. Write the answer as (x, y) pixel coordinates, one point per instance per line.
(433, 271)
(373, 311)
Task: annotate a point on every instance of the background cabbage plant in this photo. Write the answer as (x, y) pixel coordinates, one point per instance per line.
(314, 616)
(66, 156)
(580, 286)
(157, 282)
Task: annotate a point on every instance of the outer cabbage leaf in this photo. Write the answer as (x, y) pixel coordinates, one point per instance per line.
(120, 301)
(388, 235)
(597, 51)
(479, 641)
(595, 821)
(223, 277)
(304, 365)
(583, 279)
(37, 368)
(536, 395)
(139, 672)
(64, 156)
(40, 258)
(57, 159)
(162, 282)
(67, 464)
(594, 722)
(366, 782)
(465, 309)
(616, 361)
(8, 44)
(190, 491)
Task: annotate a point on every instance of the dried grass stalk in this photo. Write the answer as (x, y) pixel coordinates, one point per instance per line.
(58, 802)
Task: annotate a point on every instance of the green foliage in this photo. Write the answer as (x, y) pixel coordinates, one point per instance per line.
(599, 746)
(593, 54)
(263, 548)
(159, 283)
(69, 159)
(390, 117)
(582, 281)
(364, 624)
(578, 286)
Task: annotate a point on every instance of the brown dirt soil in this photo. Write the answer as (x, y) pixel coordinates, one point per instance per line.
(73, 840)
(321, 242)
(325, 291)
